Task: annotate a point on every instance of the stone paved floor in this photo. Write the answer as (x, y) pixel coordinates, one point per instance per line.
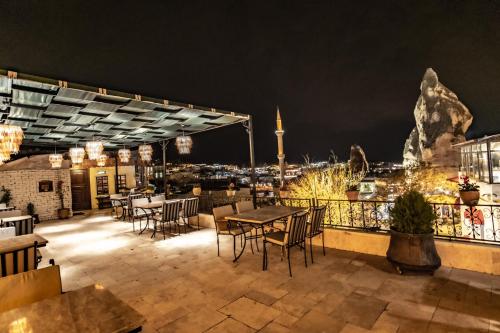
(180, 285)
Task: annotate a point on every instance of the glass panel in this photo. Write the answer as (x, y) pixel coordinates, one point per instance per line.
(495, 165)
(495, 145)
(484, 172)
(475, 166)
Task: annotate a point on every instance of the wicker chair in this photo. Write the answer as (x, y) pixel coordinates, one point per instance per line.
(315, 227)
(294, 235)
(224, 227)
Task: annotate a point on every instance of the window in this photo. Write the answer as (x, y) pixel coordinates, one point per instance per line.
(495, 161)
(102, 185)
(122, 182)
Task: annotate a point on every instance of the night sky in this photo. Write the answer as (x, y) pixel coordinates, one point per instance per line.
(342, 72)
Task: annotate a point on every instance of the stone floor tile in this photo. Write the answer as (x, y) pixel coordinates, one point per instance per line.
(350, 328)
(360, 310)
(194, 322)
(460, 321)
(250, 312)
(274, 328)
(285, 319)
(231, 326)
(316, 322)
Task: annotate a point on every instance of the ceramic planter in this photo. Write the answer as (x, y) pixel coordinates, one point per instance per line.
(352, 195)
(63, 213)
(197, 191)
(470, 198)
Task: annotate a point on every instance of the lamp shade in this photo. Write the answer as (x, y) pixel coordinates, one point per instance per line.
(184, 144)
(101, 160)
(11, 138)
(76, 154)
(56, 160)
(94, 149)
(146, 152)
(124, 155)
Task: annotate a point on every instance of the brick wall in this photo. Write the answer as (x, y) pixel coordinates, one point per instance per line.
(24, 187)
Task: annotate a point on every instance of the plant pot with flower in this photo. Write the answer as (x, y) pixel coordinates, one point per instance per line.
(231, 190)
(352, 192)
(197, 190)
(412, 247)
(469, 191)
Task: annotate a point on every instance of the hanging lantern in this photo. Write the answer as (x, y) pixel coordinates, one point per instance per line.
(184, 144)
(76, 154)
(56, 160)
(146, 152)
(11, 138)
(101, 160)
(124, 155)
(94, 149)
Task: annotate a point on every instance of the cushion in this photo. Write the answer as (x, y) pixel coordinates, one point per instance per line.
(29, 287)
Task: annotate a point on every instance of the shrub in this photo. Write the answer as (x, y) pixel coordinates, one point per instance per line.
(30, 208)
(412, 214)
(7, 196)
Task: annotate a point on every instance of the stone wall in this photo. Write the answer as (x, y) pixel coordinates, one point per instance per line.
(24, 187)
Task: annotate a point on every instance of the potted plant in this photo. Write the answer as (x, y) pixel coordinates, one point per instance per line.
(62, 213)
(197, 190)
(30, 208)
(412, 246)
(284, 191)
(352, 191)
(7, 196)
(231, 192)
(469, 191)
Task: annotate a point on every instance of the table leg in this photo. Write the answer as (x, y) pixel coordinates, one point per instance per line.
(243, 247)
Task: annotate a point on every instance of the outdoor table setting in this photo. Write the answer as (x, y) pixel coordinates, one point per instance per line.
(119, 202)
(262, 217)
(20, 242)
(89, 309)
(17, 222)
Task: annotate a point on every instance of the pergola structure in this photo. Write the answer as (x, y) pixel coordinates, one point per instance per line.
(56, 112)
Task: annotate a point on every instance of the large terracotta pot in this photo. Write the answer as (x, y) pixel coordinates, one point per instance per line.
(197, 190)
(231, 193)
(63, 213)
(352, 195)
(470, 198)
(413, 253)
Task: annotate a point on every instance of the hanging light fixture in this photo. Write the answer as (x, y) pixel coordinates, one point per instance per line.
(76, 154)
(101, 160)
(94, 149)
(11, 138)
(146, 152)
(183, 144)
(124, 155)
(55, 159)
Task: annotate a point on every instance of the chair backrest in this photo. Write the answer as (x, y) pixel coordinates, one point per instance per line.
(7, 232)
(170, 210)
(10, 213)
(244, 206)
(132, 197)
(317, 218)
(115, 196)
(158, 198)
(296, 229)
(17, 261)
(29, 287)
(219, 214)
(136, 202)
(22, 227)
(190, 207)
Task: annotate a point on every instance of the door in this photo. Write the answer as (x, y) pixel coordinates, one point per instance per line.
(80, 189)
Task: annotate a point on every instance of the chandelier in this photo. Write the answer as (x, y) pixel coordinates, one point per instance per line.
(124, 155)
(94, 149)
(184, 144)
(101, 160)
(11, 138)
(146, 152)
(55, 160)
(76, 154)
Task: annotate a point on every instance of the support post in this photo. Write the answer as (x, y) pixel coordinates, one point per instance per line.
(164, 159)
(116, 172)
(252, 160)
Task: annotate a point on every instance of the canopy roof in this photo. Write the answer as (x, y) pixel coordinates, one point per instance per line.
(51, 111)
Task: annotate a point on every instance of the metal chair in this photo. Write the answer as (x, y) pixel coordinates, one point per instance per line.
(246, 206)
(128, 207)
(294, 235)
(169, 214)
(190, 209)
(224, 227)
(137, 212)
(315, 227)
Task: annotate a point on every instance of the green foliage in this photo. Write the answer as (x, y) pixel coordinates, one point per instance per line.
(412, 214)
(7, 196)
(467, 185)
(30, 208)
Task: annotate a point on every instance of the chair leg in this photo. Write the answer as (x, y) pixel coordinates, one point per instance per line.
(305, 252)
(257, 239)
(234, 247)
(264, 257)
(251, 244)
(163, 229)
(289, 264)
(311, 249)
(218, 251)
(323, 239)
(198, 221)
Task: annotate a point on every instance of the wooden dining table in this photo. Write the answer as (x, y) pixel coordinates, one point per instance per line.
(21, 242)
(262, 217)
(89, 309)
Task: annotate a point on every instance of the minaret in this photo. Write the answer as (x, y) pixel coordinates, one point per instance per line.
(281, 155)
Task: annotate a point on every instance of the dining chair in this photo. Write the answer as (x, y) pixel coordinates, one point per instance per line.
(247, 206)
(190, 209)
(19, 260)
(315, 226)
(158, 198)
(115, 204)
(169, 214)
(137, 212)
(225, 227)
(29, 287)
(293, 235)
(130, 198)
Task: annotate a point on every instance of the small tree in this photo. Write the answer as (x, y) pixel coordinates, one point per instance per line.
(7, 196)
(412, 214)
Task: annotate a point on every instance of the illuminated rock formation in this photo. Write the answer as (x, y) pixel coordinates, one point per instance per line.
(357, 160)
(441, 120)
